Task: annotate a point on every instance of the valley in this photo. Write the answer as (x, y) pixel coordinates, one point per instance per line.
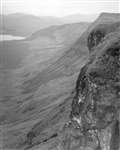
(36, 77)
(45, 77)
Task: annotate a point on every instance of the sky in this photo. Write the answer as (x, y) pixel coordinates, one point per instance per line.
(59, 8)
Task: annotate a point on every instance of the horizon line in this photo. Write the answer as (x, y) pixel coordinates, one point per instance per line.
(38, 15)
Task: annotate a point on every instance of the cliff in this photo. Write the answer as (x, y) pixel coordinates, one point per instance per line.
(95, 116)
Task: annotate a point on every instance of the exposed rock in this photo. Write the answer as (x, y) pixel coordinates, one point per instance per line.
(97, 35)
(95, 116)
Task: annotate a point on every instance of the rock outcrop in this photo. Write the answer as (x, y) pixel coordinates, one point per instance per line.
(98, 34)
(95, 116)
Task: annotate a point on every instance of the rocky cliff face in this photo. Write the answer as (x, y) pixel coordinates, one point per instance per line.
(95, 116)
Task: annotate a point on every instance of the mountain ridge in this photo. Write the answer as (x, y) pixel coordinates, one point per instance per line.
(26, 24)
(53, 105)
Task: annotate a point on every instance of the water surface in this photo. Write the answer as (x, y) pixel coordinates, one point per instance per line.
(6, 37)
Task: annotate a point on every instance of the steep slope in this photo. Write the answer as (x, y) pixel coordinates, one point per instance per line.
(63, 31)
(95, 122)
(38, 83)
(81, 131)
(53, 39)
(43, 104)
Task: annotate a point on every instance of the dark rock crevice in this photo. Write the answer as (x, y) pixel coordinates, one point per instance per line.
(115, 138)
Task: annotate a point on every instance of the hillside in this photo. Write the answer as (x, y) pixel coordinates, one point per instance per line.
(34, 62)
(40, 46)
(44, 96)
(24, 24)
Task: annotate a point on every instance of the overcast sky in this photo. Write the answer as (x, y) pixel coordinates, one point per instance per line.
(60, 8)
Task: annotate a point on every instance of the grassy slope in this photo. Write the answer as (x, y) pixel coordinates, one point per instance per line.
(43, 102)
(37, 85)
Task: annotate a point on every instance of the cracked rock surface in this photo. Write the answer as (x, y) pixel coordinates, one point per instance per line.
(95, 116)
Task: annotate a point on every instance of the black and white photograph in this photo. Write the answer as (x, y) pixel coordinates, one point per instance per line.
(59, 74)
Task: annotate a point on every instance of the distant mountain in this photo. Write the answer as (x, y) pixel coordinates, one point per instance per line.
(24, 24)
